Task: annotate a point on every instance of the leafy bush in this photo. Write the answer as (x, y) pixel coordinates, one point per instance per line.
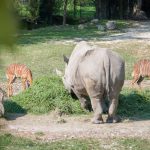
(46, 94)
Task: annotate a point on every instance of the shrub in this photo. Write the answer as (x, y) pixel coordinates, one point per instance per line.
(46, 94)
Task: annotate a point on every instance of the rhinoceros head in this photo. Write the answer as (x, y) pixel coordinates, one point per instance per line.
(64, 77)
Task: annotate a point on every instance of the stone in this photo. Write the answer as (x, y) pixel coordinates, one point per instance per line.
(101, 28)
(81, 26)
(111, 25)
(95, 21)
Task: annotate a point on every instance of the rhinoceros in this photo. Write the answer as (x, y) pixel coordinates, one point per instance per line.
(95, 72)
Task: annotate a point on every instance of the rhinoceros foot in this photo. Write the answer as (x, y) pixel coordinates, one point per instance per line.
(115, 119)
(97, 120)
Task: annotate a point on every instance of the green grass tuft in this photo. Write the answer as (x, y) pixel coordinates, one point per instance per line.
(46, 94)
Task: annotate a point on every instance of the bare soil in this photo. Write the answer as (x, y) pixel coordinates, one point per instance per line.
(53, 127)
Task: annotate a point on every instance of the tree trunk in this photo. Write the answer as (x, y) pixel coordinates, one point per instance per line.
(46, 11)
(98, 8)
(139, 4)
(121, 9)
(74, 7)
(65, 12)
(80, 10)
(102, 9)
(50, 4)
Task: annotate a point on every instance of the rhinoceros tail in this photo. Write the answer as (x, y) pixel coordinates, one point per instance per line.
(107, 72)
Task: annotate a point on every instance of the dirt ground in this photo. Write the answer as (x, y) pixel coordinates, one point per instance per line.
(52, 127)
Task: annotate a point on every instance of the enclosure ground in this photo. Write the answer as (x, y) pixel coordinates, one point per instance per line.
(52, 127)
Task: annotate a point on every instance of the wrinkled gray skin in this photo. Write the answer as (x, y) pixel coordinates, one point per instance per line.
(1, 104)
(95, 72)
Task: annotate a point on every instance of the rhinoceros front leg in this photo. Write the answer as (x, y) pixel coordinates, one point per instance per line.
(112, 118)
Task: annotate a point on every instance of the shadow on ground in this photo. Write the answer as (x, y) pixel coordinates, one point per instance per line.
(135, 105)
(13, 110)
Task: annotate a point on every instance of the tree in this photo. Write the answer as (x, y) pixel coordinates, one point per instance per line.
(74, 7)
(47, 8)
(65, 12)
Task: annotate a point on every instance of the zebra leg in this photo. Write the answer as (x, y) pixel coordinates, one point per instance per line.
(24, 84)
(140, 81)
(135, 80)
(10, 88)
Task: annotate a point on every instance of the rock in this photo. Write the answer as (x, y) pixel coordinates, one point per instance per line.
(94, 21)
(91, 23)
(81, 26)
(111, 25)
(101, 28)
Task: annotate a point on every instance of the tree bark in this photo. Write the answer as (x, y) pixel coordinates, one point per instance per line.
(121, 9)
(74, 7)
(50, 4)
(65, 12)
(139, 4)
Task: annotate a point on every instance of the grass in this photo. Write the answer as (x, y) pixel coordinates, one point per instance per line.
(46, 94)
(9, 142)
(38, 50)
(41, 58)
(134, 103)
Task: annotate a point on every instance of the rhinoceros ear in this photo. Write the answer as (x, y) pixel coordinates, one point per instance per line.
(66, 59)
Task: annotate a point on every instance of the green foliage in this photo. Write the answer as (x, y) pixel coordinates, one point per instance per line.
(134, 103)
(28, 11)
(46, 94)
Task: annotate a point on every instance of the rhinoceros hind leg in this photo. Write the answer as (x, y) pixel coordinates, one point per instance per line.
(114, 119)
(97, 119)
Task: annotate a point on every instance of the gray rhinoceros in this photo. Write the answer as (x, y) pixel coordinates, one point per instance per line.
(97, 73)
